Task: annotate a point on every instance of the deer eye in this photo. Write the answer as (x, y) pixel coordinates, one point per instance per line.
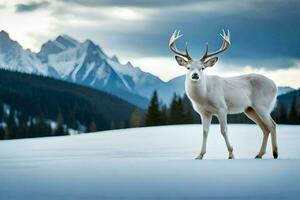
(188, 68)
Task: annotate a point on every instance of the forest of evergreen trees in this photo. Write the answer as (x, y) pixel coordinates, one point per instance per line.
(31, 105)
(15, 125)
(181, 111)
(35, 106)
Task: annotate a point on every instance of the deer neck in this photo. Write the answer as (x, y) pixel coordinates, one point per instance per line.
(196, 90)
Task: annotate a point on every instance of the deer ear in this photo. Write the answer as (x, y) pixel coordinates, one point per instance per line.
(211, 62)
(181, 61)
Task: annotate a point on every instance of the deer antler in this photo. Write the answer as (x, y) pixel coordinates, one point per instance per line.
(225, 45)
(176, 35)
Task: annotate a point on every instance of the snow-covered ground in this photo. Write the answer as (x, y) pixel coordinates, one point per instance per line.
(151, 163)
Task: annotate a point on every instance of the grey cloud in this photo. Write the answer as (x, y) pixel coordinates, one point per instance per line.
(263, 33)
(32, 6)
(133, 3)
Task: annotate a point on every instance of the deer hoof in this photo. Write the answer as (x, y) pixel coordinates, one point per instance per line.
(275, 154)
(258, 157)
(200, 157)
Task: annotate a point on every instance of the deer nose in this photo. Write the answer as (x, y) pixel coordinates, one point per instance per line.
(195, 76)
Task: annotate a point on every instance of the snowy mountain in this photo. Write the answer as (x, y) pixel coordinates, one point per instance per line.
(80, 62)
(141, 82)
(87, 64)
(14, 57)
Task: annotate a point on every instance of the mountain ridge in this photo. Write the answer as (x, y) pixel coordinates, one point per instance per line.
(65, 58)
(86, 63)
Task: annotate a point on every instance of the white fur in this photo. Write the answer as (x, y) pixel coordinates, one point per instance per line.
(233, 95)
(214, 95)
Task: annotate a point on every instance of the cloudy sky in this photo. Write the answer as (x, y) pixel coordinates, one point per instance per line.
(265, 34)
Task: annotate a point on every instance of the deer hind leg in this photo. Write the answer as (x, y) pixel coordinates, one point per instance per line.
(270, 123)
(251, 114)
(274, 139)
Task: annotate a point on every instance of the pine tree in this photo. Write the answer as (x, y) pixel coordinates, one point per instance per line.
(293, 115)
(60, 130)
(177, 115)
(135, 119)
(153, 116)
(43, 128)
(112, 125)
(164, 114)
(72, 119)
(282, 114)
(31, 129)
(1, 112)
(93, 126)
(2, 133)
(122, 124)
(10, 129)
(191, 116)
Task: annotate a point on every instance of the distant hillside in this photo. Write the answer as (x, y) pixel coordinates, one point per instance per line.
(36, 96)
(286, 98)
(283, 90)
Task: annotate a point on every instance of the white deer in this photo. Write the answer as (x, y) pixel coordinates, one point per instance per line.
(253, 94)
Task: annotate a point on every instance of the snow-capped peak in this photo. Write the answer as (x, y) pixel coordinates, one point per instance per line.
(3, 34)
(6, 42)
(14, 57)
(61, 43)
(71, 40)
(84, 63)
(115, 59)
(64, 41)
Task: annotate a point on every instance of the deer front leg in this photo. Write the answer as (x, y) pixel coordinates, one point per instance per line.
(223, 125)
(206, 120)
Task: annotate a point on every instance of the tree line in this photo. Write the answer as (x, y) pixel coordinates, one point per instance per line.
(42, 106)
(181, 111)
(15, 124)
(287, 113)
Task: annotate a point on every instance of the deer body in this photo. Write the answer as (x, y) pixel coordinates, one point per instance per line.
(234, 94)
(253, 94)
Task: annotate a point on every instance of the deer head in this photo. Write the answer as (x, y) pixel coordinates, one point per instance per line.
(195, 67)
